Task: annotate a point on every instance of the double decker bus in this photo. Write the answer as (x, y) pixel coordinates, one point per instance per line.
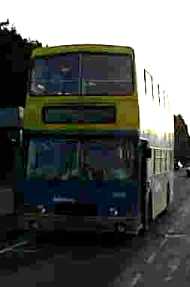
(98, 141)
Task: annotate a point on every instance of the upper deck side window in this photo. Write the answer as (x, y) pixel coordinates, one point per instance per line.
(158, 86)
(145, 84)
(148, 81)
(153, 90)
(164, 99)
(156, 94)
(167, 104)
(84, 74)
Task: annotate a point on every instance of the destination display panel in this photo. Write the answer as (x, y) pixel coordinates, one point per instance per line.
(79, 114)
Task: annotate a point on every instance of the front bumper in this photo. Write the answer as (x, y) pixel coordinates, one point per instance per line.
(52, 222)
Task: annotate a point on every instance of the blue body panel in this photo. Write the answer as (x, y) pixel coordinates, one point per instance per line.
(121, 194)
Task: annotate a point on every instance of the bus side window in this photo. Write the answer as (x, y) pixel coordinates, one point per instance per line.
(154, 161)
(157, 161)
(165, 160)
(145, 87)
(162, 166)
(158, 86)
(149, 84)
(160, 155)
(152, 86)
(171, 161)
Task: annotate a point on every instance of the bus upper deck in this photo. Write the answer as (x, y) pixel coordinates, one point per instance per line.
(82, 86)
(90, 87)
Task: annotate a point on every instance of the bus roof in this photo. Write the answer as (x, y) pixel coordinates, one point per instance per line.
(51, 51)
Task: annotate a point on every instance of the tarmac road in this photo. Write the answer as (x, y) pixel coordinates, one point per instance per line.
(161, 257)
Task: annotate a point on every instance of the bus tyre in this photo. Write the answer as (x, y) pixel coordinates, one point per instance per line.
(147, 218)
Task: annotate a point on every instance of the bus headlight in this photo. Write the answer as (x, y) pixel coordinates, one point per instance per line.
(41, 208)
(113, 211)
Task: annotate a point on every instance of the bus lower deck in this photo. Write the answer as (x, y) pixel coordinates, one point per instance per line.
(81, 182)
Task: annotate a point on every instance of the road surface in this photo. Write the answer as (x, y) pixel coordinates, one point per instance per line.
(159, 258)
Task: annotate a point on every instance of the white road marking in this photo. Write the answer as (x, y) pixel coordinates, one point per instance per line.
(168, 278)
(153, 255)
(163, 242)
(6, 189)
(173, 268)
(151, 258)
(13, 246)
(26, 250)
(176, 235)
(136, 279)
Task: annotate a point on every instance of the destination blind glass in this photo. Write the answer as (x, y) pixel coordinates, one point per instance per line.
(79, 114)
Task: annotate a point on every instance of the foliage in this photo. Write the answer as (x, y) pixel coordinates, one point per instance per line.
(182, 140)
(14, 63)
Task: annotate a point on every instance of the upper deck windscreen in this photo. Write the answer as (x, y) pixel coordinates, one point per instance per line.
(83, 74)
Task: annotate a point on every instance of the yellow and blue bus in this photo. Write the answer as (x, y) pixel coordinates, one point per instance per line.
(98, 141)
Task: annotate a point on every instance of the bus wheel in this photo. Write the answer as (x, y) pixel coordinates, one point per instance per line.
(147, 218)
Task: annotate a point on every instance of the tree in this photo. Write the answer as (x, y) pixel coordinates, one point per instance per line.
(182, 139)
(15, 55)
(4, 23)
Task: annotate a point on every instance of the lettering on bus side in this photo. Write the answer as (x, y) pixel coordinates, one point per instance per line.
(118, 194)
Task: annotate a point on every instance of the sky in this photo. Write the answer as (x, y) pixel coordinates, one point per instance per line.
(158, 28)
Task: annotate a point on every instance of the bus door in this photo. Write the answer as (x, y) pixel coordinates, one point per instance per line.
(145, 153)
